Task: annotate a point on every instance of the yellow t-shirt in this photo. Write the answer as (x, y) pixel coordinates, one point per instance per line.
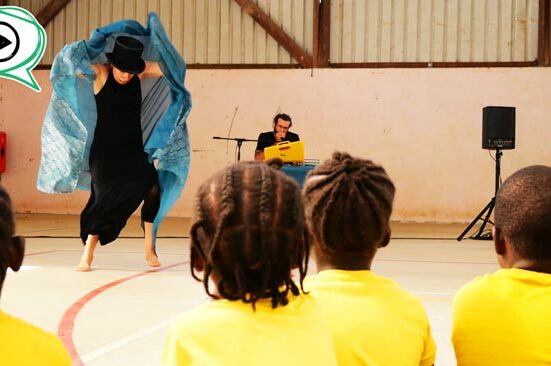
(226, 332)
(23, 344)
(504, 319)
(374, 321)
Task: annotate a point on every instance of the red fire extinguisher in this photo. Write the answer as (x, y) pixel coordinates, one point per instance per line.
(3, 151)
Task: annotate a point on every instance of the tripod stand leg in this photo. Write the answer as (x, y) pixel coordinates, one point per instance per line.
(485, 221)
(489, 207)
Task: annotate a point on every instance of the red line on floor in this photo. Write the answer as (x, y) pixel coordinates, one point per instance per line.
(67, 323)
(36, 253)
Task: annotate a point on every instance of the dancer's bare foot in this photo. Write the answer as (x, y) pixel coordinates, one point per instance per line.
(150, 254)
(152, 260)
(85, 264)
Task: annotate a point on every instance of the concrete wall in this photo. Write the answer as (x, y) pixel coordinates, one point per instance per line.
(423, 125)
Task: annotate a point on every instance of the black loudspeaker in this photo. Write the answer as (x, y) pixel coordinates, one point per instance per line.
(498, 128)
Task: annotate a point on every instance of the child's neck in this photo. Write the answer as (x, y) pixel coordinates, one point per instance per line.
(359, 262)
(540, 265)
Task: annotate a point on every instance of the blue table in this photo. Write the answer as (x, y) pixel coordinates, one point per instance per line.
(297, 172)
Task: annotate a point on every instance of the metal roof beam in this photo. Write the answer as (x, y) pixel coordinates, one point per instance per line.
(50, 10)
(250, 7)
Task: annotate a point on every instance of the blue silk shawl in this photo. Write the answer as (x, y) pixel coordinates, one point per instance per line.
(70, 120)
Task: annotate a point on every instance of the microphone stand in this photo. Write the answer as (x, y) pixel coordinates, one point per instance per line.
(239, 141)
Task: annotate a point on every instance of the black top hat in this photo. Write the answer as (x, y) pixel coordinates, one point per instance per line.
(127, 55)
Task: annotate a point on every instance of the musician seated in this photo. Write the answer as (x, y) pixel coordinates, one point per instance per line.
(281, 124)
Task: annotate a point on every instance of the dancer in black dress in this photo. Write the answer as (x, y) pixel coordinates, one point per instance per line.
(122, 176)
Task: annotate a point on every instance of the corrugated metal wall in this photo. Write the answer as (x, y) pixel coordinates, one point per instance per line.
(219, 32)
(204, 31)
(433, 30)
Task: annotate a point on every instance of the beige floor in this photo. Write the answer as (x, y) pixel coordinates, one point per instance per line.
(119, 313)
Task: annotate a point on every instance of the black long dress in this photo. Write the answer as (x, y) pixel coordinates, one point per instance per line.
(121, 174)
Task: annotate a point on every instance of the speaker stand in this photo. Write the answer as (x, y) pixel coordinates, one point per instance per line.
(486, 210)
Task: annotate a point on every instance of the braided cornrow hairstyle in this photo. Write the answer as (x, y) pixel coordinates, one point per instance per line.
(348, 202)
(250, 234)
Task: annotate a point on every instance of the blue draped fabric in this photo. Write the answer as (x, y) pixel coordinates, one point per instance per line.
(70, 120)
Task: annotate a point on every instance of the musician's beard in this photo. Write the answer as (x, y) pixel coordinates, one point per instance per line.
(276, 138)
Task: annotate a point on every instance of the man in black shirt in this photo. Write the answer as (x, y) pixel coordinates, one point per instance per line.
(282, 123)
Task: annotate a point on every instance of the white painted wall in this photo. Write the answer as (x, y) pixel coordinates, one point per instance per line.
(423, 125)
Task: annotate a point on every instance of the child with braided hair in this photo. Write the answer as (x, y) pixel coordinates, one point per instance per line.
(249, 235)
(22, 344)
(348, 203)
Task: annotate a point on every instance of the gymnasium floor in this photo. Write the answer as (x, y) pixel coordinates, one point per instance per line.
(119, 313)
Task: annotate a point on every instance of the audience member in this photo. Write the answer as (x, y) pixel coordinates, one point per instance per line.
(504, 318)
(248, 236)
(348, 203)
(23, 344)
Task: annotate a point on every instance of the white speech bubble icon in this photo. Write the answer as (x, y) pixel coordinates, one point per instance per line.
(22, 44)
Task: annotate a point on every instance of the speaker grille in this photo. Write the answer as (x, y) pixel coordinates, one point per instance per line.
(498, 127)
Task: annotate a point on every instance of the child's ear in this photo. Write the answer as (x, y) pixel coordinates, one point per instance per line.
(197, 255)
(15, 252)
(499, 242)
(197, 259)
(386, 239)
